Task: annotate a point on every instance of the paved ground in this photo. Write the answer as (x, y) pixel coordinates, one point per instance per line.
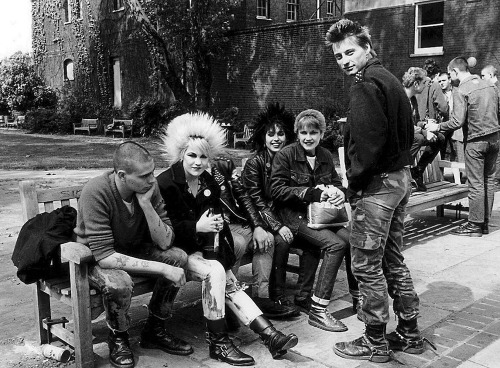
(457, 280)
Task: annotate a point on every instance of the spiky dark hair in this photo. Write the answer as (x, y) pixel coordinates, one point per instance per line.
(274, 114)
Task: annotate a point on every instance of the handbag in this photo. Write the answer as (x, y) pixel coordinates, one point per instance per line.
(324, 214)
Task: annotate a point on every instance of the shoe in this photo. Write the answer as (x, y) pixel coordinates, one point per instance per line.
(222, 348)
(277, 342)
(120, 354)
(323, 319)
(155, 336)
(371, 346)
(272, 309)
(357, 307)
(288, 304)
(304, 303)
(418, 177)
(486, 229)
(407, 338)
(469, 229)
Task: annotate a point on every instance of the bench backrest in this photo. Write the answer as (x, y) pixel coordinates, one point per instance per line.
(247, 131)
(89, 122)
(126, 123)
(33, 200)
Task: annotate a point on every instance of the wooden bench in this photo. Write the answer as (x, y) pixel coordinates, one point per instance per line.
(87, 125)
(439, 191)
(120, 126)
(72, 286)
(243, 136)
(16, 123)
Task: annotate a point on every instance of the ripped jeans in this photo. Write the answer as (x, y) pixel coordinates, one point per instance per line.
(117, 286)
(376, 244)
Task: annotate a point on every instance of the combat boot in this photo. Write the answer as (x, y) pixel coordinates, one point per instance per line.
(371, 346)
(155, 336)
(120, 354)
(277, 342)
(407, 338)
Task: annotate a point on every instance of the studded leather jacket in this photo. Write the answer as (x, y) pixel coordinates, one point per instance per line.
(234, 198)
(256, 178)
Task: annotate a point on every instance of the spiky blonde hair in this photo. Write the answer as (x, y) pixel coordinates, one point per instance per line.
(198, 129)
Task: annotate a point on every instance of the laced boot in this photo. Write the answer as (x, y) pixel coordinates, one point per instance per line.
(277, 342)
(155, 336)
(120, 354)
(319, 317)
(407, 338)
(371, 346)
(222, 348)
(417, 174)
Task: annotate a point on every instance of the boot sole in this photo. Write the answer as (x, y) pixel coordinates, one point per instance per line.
(148, 345)
(323, 327)
(375, 359)
(291, 342)
(235, 364)
(121, 365)
(472, 235)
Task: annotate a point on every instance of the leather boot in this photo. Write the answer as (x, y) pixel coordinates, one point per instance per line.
(469, 229)
(120, 354)
(319, 317)
(357, 307)
(407, 338)
(155, 336)
(417, 174)
(277, 342)
(371, 346)
(221, 346)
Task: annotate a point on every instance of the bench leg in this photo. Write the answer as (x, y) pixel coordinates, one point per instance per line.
(440, 211)
(80, 295)
(42, 310)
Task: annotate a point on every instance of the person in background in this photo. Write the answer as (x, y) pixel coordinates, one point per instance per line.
(378, 138)
(303, 172)
(414, 82)
(247, 229)
(476, 106)
(444, 81)
(431, 102)
(121, 218)
(192, 199)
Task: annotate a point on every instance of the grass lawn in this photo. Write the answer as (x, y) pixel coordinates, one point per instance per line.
(21, 151)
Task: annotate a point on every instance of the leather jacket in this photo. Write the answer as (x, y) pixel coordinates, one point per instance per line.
(256, 178)
(293, 182)
(234, 198)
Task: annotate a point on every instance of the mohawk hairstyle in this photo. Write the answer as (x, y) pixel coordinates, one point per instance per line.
(199, 129)
(274, 114)
(345, 28)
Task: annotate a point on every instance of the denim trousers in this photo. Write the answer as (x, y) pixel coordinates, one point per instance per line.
(376, 243)
(333, 243)
(480, 164)
(262, 262)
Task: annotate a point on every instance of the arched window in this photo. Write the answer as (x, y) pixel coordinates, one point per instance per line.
(68, 70)
(67, 11)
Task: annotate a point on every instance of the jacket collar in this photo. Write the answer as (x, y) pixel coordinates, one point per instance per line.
(469, 78)
(179, 176)
(300, 154)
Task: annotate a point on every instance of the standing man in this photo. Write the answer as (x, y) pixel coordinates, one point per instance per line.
(378, 139)
(444, 81)
(475, 107)
(431, 102)
(121, 218)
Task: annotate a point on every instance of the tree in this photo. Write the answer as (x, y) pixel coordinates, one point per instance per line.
(20, 87)
(184, 36)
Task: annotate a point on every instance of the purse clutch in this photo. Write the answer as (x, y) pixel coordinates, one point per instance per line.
(324, 214)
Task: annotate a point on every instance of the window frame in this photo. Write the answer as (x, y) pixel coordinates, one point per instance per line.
(118, 5)
(329, 7)
(437, 50)
(263, 5)
(67, 11)
(66, 62)
(292, 7)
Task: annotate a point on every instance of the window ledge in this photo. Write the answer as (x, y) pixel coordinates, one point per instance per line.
(119, 10)
(69, 22)
(260, 17)
(430, 53)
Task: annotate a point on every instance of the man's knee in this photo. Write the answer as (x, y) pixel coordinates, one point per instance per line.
(176, 255)
(118, 285)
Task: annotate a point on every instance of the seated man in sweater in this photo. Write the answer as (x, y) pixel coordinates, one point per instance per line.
(121, 217)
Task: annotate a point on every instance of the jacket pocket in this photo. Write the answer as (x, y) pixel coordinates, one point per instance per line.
(363, 241)
(299, 179)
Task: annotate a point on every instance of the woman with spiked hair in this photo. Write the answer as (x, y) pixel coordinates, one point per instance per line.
(192, 200)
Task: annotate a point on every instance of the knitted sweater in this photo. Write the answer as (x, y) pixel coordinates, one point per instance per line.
(104, 223)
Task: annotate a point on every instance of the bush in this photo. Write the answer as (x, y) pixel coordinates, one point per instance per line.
(43, 120)
(333, 138)
(151, 115)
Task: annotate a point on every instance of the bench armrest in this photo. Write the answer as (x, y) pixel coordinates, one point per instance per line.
(76, 252)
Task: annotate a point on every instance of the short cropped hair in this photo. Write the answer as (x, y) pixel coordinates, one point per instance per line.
(310, 118)
(345, 28)
(444, 73)
(414, 74)
(197, 129)
(127, 154)
(459, 63)
(431, 67)
(491, 70)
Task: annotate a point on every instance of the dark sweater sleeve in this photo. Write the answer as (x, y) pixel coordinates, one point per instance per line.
(368, 127)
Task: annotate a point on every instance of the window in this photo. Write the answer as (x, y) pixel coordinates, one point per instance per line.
(263, 9)
(117, 5)
(334, 8)
(117, 83)
(67, 11)
(69, 75)
(292, 7)
(429, 22)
